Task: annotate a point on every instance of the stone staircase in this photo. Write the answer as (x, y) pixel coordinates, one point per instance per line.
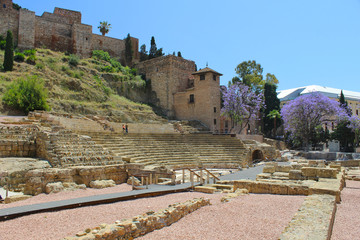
(175, 150)
(63, 148)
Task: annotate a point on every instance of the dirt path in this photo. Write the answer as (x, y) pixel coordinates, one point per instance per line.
(347, 220)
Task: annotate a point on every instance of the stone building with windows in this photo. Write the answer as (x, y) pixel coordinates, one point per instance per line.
(183, 92)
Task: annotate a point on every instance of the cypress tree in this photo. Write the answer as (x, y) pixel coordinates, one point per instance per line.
(9, 52)
(128, 50)
(179, 54)
(153, 48)
(272, 102)
(143, 53)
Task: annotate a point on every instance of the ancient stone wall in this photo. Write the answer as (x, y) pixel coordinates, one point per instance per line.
(26, 29)
(53, 35)
(35, 181)
(142, 224)
(168, 75)
(18, 141)
(59, 31)
(9, 20)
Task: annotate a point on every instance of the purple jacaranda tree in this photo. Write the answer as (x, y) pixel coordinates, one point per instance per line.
(354, 125)
(304, 114)
(240, 104)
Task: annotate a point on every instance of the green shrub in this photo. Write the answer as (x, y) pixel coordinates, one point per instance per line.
(2, 44)
(31, 59)
(101, 55)
(109, 69)
(19, 57)
(30, 52)
(74, 60)
(26, 95)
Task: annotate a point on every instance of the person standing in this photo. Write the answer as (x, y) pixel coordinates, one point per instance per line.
(123, 127)
(126, 128)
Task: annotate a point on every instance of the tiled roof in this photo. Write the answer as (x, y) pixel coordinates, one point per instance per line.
(205, 70)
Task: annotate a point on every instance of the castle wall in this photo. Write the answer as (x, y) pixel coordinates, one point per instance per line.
(71, 16)
(8, 20)
(115, 47)
(82, 39)
(26, 38)
(168, 75)
(54, 35)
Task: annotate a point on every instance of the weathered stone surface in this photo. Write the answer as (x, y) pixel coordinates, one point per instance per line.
(102, 184)
(142, 224)
(268, 169)
(16, 198)
(283, 168)
(136, 181)
(295, 175)
(54, 187)
(309, 171)
(314, 219)
(205, 189)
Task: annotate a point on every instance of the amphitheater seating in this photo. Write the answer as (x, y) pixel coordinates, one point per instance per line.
(175, 150)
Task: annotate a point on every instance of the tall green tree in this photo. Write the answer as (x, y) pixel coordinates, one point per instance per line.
(153, 48)
(250, 73)
(9, 52)
(143, 53)
(271, 79)
(104, 27)
(179, 54)
(128, 50)
(272, 103)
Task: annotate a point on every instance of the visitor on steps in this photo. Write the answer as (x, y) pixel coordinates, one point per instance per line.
(126, 128)
(123, 127)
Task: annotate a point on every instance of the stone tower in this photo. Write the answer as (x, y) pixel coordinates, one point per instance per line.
(6, 4)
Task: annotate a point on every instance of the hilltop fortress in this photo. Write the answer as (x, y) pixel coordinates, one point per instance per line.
(181, 91)
(61, 30)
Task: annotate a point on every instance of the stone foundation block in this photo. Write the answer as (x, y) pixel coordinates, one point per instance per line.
(268, 169)
(309, 172)
(327, 173)
(205, 189)
(295, 175)
(285, 168)
(281, 189)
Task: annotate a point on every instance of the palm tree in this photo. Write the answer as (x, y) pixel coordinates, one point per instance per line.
(104, 27)
(274, 114)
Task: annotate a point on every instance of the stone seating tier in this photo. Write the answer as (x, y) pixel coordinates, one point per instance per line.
(174, 149)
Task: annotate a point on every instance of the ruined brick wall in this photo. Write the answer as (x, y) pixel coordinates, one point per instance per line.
(82, 39)
(168, 75)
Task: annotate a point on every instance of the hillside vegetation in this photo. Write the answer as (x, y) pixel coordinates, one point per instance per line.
(77, 86)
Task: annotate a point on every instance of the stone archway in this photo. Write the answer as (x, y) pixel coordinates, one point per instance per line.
(257, 156)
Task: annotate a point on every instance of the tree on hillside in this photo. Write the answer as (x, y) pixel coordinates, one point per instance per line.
(9, 52)
(344, 103)
(104, 27)
(304, 114)
(179, 54)
(153, 48)
(16, 6)
(143, 53)
(128, 50)
(159, 53)
(240, 104)
(271, 103)
(250, 73)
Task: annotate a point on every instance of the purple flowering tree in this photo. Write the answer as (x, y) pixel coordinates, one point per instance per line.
(240, 104)
(354, 125)
(306, 113)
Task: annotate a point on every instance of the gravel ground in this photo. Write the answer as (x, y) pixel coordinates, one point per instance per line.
(254, 216)
(347, 221)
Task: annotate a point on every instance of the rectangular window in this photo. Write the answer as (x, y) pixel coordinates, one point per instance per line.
(192, 99)
(202, 77)
(214, 109)
(226, 124)
(214, 77)
(214, 121)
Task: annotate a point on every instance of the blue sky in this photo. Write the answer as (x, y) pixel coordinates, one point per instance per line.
(301, 42)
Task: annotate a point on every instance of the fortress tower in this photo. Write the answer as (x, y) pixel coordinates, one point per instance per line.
(6, 4)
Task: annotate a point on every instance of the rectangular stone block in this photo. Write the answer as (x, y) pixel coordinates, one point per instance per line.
(247, 184)
(295, 175)
(309, 172)
(281, 189)
(268, 169)
(261, 187)
(205, 189)
(326, 173)
(285, 168)
(298, 190)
